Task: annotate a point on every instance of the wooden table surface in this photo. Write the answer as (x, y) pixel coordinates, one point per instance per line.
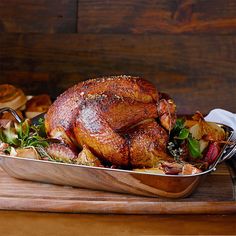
(45, 223)
(37, 224)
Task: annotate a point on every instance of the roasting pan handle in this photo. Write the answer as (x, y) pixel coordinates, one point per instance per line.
(228, 152)
(13, 113)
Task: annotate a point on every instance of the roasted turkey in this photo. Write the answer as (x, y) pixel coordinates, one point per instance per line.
(122, 120)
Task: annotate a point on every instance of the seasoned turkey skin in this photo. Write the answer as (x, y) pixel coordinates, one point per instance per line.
(148, 142)
(104, 114)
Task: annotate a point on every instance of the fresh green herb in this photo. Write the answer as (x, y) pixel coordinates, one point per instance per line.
(40, 127)
(7, 150)
(43, 153)
(194, 147)
(9, 135)
(179, 125)
(179, 136)
(24, 135)
(175, 151)
(183, 134)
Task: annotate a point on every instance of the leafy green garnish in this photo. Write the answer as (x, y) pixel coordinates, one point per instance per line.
(183, 134)
(194, 147)
(179, 125)
(180, 135)
(8, 135)
(40, 128)
(24, 135)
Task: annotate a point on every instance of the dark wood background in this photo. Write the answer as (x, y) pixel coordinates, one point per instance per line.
(187, 48)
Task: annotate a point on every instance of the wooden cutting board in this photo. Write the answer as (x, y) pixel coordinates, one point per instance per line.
(215, 195)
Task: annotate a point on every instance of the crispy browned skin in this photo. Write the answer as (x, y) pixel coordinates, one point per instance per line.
(148, 142)
(61, 115)
(102, 121)
(98, 113)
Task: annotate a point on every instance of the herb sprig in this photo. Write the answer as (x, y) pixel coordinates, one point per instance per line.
(179, 135)
(24, 134)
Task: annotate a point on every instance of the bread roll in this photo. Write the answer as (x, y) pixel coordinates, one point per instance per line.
(12, 97)
(37, 105)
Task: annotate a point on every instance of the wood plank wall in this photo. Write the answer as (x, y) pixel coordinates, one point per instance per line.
(187, 48)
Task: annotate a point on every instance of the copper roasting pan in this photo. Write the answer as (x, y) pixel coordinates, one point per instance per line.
(112, 180)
